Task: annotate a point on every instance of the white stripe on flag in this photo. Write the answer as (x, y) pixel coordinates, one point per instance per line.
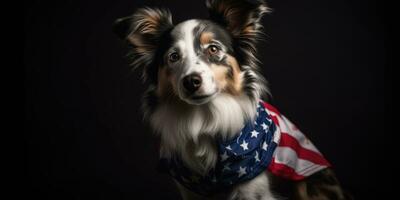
(277, 135)
(287, 156)
(287, 127)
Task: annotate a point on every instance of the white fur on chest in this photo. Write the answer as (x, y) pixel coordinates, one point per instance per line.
(190, 131)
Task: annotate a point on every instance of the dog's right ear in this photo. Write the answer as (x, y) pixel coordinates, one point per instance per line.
(242, 18)
(144, 31)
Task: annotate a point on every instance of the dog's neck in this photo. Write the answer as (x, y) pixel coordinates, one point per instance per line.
(190, 132)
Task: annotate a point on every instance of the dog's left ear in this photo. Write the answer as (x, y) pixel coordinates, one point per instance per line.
(242, 19)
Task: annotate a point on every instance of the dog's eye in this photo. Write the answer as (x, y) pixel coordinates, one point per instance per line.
(173, 57)
(212, 49)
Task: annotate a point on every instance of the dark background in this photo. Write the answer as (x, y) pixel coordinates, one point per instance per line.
(85, 136)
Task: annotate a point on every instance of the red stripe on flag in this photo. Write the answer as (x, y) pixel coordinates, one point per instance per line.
(306, 154)
(271, 108)
(284, 171)
(275, 120)
(274, 111)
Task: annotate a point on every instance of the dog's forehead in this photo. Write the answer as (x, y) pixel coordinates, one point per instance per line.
(184, 29)
(190, 31)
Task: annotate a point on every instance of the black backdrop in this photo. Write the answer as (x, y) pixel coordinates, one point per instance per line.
(85, 136)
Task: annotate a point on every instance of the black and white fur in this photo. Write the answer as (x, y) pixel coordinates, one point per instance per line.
(220, 54)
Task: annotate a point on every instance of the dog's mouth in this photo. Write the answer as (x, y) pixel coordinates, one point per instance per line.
(200, 99)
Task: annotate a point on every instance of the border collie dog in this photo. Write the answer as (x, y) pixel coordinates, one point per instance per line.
(219, 140)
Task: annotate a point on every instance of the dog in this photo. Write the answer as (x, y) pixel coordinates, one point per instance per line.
(218, 139)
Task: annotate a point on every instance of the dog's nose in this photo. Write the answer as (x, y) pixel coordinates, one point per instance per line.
(192, 82)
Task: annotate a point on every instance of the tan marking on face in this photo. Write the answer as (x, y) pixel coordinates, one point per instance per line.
(235, 84)
(220, 76)
(206, 37)
(165, 86)
(225, 83)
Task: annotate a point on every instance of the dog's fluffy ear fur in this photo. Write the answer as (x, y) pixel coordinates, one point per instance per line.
(144, 30)
(242, 19)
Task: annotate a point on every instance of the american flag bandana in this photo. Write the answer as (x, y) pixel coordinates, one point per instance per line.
(271, 143)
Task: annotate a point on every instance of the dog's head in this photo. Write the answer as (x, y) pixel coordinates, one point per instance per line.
(197, 60)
